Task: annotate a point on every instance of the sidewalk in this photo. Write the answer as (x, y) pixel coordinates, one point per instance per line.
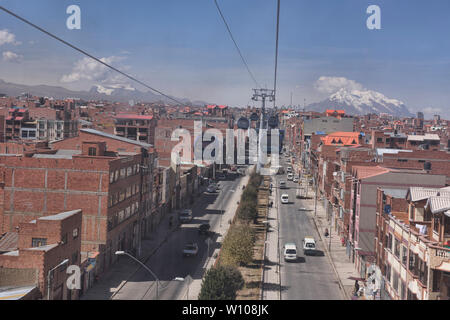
(117, 276)
(228, 215)
(339, 260)
(271, 288)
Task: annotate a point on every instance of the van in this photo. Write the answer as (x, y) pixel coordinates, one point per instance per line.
(309, 245)
(290, 252)
(285, 198)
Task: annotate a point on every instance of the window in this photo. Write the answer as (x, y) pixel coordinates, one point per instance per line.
(403, 293)
(395, 280)
(379, 139)
(388, 272)
(127, 212)
(397, 248)
(129, 171)
(64, 238)
(38, 242)
(436, 281)
(121, 216)
(75, 257)
(92, 151)
(402, 160)
(389, 246)
(116, 175)
(111, 177)
(404, 255)
(122, 196)
(75, 233)
(123, 173)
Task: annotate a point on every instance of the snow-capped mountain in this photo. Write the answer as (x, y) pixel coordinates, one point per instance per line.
(360, 102)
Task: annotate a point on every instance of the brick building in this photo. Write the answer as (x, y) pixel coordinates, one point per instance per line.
(41, 246)
(108, 177)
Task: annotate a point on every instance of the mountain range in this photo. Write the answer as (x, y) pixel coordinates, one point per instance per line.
(360, 102)
(110, 93)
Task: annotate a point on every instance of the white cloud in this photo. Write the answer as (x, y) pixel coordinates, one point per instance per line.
(7, 37)
(432, 110)
(89, 69)
(10, 56)
(334, 84)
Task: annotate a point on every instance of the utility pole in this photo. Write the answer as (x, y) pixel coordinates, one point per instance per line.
(262, 94)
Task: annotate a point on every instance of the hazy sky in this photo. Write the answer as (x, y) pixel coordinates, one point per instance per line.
(182, 47)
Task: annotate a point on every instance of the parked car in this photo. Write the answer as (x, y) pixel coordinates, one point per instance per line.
(282, 184)
(190, 249)
(295, 179)
(290, 176)
(211, 188)
(284, 198)
(185, 215)
(290, 252)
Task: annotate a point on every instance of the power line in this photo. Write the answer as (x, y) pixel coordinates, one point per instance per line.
(235, 44)
(276, 53)
(87, 54)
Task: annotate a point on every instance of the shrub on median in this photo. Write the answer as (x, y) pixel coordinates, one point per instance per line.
(237, 247)
(221, 283)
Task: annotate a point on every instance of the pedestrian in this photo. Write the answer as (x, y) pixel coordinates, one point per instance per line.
(356, 288)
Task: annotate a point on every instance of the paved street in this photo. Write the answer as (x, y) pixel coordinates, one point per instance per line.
(168, 262)
(310, 277)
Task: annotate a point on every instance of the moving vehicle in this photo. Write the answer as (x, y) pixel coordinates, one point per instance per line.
(290, 252)
(295, 179)
(185, 215)
(290, 176)
(309, 245)
(289, 169)
(284, 198)
(190, 249)
(212, 188)
(282, 184)
(204, 228)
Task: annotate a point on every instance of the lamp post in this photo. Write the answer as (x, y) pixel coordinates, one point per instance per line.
(50, 273)
(188, 280)
(120, 253)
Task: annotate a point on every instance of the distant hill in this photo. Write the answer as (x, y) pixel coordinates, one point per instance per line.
(95, 93)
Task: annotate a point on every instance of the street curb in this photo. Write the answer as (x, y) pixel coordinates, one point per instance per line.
(144, 261)
(341, 285)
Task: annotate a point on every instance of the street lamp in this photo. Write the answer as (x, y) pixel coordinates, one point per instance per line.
(65, 261)
(188, 280)
(121, 253)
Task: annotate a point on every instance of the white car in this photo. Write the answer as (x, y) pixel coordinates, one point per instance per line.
(295, 179)
(309, 245)
(190, 249)
(290, 252)
(285, 198)
(290, 176)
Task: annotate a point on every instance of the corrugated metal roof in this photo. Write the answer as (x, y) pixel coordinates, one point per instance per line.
(381, 151)
(419, 193)
(439, 204)
(111, 136)
(9, 241)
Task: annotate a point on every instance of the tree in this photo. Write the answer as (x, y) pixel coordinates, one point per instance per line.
(237, 247)
(221, 283)
(247, 210)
